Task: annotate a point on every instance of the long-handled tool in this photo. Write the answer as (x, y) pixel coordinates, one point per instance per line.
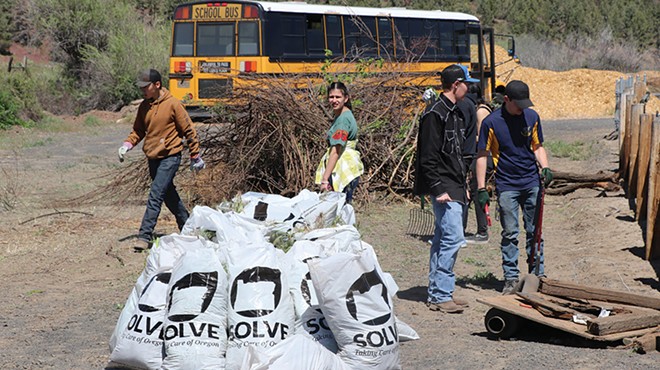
(530, 282)
(535, 256)
(422, 221)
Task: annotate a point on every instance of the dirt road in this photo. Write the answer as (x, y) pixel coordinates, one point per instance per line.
(67, 270)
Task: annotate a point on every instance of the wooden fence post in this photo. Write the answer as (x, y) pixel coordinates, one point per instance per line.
(639, 89)
(624, 155)
(645, 137)
(633, 149)
(622, 124)
(652, 219)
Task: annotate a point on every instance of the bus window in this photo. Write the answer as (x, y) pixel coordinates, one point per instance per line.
(248, 38)
(401, 36)
(418, 43)
(431, 33)
(352, 36)
(315, 41)
(446, 43)
(360, 36)
(386, 45)
(333, 33)
(183, 40)
(462, 41)
(293, 34)
(215, 39)
(368, 37)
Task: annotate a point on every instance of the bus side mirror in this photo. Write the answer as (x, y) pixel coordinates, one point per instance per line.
(511, 47)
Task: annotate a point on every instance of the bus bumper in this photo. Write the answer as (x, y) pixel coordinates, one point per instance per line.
(198, 113)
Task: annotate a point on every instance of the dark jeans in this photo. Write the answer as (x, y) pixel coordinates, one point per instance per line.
(162, 173)
(482, 221)
(349, 189)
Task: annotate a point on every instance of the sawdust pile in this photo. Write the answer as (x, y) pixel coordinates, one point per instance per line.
(578, 93)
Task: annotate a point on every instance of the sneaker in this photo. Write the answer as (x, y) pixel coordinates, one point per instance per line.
(461, 302)
(510, 286)
(477, 239)
(446, 307)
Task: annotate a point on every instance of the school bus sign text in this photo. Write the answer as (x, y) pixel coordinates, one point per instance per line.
(204, 12)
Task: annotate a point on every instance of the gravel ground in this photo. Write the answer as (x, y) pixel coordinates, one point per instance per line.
(67, 270)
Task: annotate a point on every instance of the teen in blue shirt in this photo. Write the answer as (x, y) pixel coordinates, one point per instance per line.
(514, 137)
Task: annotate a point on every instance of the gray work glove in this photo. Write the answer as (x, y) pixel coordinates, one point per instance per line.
(197, 163)
(429, 95)
(124, 149)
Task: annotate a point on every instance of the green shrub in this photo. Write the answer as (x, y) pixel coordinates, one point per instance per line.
(109, 74)
(9, 110)
(19, 104)
(103, 46)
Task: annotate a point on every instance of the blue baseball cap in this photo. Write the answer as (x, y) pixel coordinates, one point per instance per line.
(456, 72)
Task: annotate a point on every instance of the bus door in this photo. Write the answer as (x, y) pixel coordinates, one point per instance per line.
(217, 42)
(482, 60)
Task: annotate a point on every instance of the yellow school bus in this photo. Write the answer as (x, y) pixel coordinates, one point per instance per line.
(215, 43)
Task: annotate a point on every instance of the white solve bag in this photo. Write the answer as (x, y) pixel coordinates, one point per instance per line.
(260, 310)
(140, 344)
(354, 298)
(195, 335)
(297, 352)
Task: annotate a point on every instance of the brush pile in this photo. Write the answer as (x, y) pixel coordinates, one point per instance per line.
(271, 136)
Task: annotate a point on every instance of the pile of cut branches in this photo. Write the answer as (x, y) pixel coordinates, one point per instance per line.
(270, 136)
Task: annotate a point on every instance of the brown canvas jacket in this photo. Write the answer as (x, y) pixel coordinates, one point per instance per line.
(163, 124)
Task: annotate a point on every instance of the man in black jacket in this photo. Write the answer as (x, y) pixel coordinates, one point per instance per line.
(440, 172)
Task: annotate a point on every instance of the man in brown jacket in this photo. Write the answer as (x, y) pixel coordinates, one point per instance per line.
(162, 122)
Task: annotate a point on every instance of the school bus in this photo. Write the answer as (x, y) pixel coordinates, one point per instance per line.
(214, 44)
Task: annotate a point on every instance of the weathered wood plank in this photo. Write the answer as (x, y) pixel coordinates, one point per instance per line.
(652, 218)
(645, 138)
(648, 342)
(584, 177)
(566, 289)
(623, 127)
(546, 307)
(631, 180)
(621, 323)
(625, 148)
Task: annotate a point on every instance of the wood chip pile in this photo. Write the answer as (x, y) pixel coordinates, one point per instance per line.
(577, 93)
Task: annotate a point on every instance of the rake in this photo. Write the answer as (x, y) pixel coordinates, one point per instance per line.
(422, 221)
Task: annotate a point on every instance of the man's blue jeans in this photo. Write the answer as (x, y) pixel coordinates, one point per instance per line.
(447, 240)
(510, 202)
(162, 173)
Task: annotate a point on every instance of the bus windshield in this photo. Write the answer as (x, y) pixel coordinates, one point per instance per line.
(216, 39)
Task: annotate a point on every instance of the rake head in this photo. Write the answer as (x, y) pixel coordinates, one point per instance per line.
(421, 223)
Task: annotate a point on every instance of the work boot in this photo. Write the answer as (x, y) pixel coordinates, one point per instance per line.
(142, 245)
(446, 307)
(461, 302)
(510, 286)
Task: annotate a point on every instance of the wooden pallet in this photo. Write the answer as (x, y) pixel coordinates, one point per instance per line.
(518, 308)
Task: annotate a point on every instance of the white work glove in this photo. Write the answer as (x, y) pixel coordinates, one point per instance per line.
(197, 163)
(124, 149)
(429, 95)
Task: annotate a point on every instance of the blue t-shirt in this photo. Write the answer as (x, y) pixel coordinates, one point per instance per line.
(511, 141)
(344, 128)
